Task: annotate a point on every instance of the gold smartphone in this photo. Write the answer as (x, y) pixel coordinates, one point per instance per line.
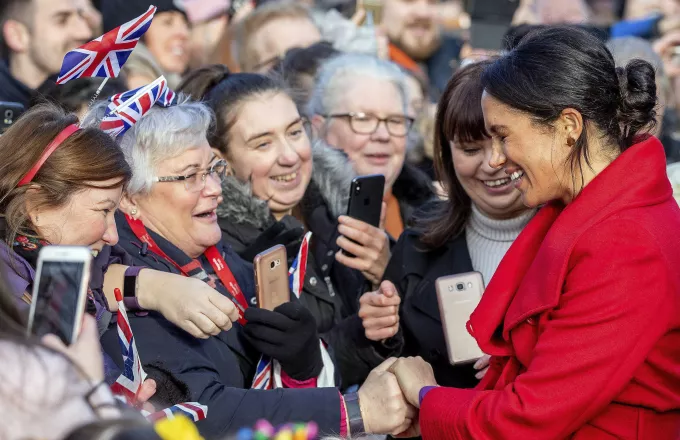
(458, 296)
(271, 277)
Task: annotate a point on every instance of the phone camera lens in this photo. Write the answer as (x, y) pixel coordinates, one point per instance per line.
(460, 287)
(272, 265)
(358, 189)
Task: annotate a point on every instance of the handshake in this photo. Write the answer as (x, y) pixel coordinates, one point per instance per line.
(389, 398)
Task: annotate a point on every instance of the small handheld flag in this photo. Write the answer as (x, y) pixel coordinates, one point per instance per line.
(104, 56)
(130, 380)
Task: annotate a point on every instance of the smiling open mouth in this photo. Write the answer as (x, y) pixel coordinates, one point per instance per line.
(516, 176)
(206, 214)
(285, 178)
(497, 183)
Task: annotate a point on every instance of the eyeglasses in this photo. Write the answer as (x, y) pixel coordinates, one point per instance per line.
(366, 123)
(195, 182)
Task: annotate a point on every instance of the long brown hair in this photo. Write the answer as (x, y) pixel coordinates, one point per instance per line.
(460, 118)
(86, 157)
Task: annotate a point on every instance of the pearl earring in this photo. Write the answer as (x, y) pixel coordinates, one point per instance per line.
(133, 211)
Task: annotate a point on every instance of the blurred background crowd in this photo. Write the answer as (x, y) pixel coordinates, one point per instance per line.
(352, 88)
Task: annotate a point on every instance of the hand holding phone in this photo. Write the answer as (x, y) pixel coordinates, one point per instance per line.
(271, 278)
(60, 292)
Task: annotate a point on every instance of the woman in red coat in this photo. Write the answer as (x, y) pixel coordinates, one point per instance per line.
(582, 317)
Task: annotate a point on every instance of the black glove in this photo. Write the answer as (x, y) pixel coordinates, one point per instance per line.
(277, 233)
(287, 334)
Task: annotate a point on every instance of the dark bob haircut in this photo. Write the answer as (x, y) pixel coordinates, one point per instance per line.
(460, 119)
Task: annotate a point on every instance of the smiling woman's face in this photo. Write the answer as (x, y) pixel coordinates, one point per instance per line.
(86, 220)
(533, 156)
(490, 189)
(273, 153)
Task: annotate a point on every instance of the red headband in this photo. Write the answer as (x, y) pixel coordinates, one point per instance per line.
(61, 137)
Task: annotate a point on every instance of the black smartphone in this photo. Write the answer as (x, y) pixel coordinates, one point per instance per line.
(10, 112)
(365, 200)
(490, 21)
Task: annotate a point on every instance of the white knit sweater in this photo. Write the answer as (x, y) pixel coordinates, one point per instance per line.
(488, 240)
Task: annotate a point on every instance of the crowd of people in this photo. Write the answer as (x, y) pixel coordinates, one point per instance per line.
(548, 166)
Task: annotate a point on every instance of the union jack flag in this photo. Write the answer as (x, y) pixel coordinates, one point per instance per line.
(104, 56)
(130, 381)
(127, 108)
(194, 410)
(296, 277)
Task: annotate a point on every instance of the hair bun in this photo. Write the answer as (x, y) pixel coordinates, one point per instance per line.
(637, 83)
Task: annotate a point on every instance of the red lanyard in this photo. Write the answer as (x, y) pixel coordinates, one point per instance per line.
(214, 258)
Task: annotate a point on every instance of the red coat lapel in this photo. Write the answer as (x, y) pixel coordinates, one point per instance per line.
(537, 262)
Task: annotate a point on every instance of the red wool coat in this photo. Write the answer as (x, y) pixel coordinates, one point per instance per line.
(582, 320)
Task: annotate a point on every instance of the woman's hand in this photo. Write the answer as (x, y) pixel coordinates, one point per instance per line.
(369, 245)
(287, 334)
(413, 374)
(85, 352)
(187, 302)
(482, 365)
(383, 407)
(665, 47)
(379, 312)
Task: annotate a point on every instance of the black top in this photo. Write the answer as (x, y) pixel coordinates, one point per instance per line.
(414, 272)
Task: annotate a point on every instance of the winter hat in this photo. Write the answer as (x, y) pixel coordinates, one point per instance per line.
(117, 12)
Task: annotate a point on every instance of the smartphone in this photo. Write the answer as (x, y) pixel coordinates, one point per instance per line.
(490, 21)
(458, 296)
(10, 112)
(374, 12)
(271, 277)
(365, 200)
(59, 292)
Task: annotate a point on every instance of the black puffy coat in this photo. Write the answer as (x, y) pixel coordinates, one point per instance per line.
(218, 370)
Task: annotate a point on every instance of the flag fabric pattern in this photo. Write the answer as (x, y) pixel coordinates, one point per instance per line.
(297, 277)
(126, 109)
(263, 379)
(130, 381)
(194, 410)
(105, 56)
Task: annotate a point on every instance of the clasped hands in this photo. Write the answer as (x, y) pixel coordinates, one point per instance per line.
(389, 398)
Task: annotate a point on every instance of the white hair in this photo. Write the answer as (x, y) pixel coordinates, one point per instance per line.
(161, 134)
(338, 74)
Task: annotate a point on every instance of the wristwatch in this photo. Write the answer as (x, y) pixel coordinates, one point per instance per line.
(130, 284)
(355, 421)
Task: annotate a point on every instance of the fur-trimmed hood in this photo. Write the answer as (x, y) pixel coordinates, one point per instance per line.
(239, 206)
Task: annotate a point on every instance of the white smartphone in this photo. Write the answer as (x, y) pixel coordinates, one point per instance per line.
(59, 292)
(458, 296)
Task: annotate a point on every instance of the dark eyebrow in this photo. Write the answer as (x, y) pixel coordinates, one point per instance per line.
(497, 129)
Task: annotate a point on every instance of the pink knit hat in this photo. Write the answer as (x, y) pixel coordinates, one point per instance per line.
(203, 10)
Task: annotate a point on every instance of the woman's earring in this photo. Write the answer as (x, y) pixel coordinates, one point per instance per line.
(133, 211)
(571, 141)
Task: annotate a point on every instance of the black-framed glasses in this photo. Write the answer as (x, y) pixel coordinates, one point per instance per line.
(367, 123)
(195, 182)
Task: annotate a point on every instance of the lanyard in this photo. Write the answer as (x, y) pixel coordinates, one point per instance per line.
(214, 258)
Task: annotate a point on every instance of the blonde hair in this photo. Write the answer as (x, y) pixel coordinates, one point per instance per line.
(242, 42)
